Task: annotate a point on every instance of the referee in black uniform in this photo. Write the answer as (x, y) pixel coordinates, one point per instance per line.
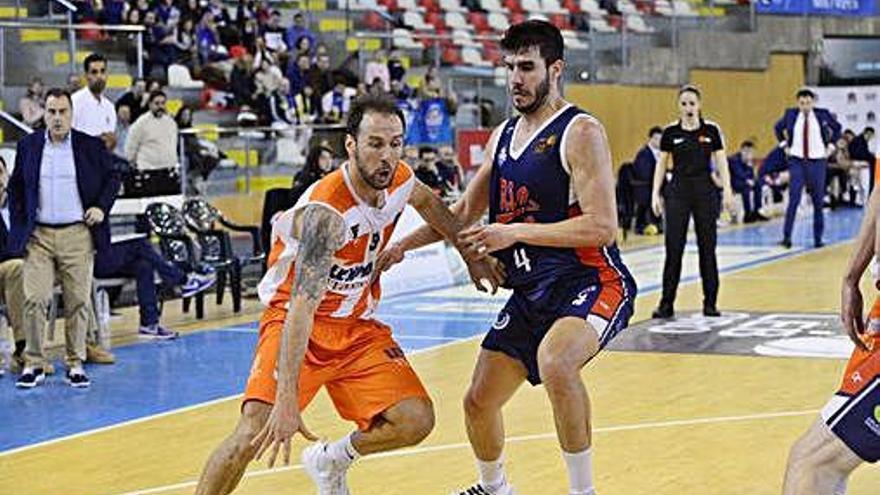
(687, 149)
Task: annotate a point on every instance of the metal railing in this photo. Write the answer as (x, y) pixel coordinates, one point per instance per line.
(71, 30)
(16, 122)
(251, 136)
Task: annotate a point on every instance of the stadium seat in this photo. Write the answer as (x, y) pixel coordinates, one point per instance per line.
(416, 21)
(600, 25)
(553, 7)
(457, 20)
(451, 55)
(431, 5)
(615, 21)
(409, 6)
(627, 7)
(531, 6)
(513, 6)
(366, 5)
(517, 18)
(179, 77)
(592, 7)
(681, 8)
(493, 6)
(471, 56)
(560, 21)
(404, 39)
(492, 52)
(463, 38)
(451, 6)
(374, 21)
(435, 19)
(498, 21)
(572, 6)
(572, 41)
(390, 5)
(478, 21)
(636, 23)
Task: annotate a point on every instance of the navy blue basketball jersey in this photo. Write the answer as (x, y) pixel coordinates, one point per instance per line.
(533, 185)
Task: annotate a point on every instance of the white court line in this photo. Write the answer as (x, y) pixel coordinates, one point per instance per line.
(516, 439)
(184, 409)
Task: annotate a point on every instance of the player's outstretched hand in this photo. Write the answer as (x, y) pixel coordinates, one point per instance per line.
(489, 270)
(851, 313)
(284, 422)
(480, 240)
(389, 257)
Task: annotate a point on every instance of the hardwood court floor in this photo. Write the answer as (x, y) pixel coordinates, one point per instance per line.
(665, 423)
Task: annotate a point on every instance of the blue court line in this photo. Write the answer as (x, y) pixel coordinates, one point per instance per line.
(155, 378)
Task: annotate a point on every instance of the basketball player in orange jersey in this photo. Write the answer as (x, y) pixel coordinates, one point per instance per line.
(548, 185)
(320, 290)
(847, 433)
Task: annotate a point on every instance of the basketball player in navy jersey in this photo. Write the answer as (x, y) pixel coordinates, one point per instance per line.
(547, 181)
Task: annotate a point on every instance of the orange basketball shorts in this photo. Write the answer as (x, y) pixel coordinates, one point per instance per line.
(363, 368)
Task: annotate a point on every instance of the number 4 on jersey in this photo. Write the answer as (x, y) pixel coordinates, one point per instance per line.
(521, 260)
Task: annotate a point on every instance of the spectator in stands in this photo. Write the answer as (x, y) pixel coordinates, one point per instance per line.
(191, 11)
(336, 102)
(299, 29)
(268, 77)
(135, 99)
(11, 282)
(307, 105)
(31, 105)
(400, 90)
(202, 156)
(240, 81)
(152, 140)
(427, 172)
(859, 150)
(742, 179)
(219, 14)
(808, 135)
(377, 68)
(142, 6)
(60, 193)
(185, 43)
(320, 77)
(74, 83)
(137, 259)
(319, 162)
(123, 125)
(244, 12)
(273, 34)
(303, 47)
(641, 181)
(159, 44)
(396, 69)
(281, 106)
(168, 13)
(114, 12)
(93, 113)
(208, 40)
(450, 170)
(297, 71)
(839, 166)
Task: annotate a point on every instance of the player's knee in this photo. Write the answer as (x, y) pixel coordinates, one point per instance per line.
(556, 371)
(801, 457)
(418, 422)
(477, 402)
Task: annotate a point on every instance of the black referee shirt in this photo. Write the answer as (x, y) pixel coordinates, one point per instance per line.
(692, 150)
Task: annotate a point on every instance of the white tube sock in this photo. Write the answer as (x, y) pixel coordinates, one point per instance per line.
(491, 473)
(580, 472)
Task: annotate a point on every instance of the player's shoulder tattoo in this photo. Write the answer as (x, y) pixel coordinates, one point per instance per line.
(322, 232)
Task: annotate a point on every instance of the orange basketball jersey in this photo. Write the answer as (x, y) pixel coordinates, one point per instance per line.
(352, 292)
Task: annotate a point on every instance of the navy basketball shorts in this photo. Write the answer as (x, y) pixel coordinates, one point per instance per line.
(853, 413)
(528, 315)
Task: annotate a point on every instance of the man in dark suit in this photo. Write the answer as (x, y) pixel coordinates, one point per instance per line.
(642, 179)
(808, 135)
(858, 150)
(742, 180)
(11, 281)
(60, 195)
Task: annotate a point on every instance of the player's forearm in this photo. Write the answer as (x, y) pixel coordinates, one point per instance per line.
(659, 172)
(427, 234)
(294, 340)
(581, 231)
(865, 242)
(724, 171)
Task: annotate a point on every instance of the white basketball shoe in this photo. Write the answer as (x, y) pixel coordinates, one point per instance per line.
(328, 475)
(479, 489)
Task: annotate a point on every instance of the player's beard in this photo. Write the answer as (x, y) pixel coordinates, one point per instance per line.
(541, 93)
(380, 178)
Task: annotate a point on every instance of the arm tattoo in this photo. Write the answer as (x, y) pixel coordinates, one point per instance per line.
(322, 232)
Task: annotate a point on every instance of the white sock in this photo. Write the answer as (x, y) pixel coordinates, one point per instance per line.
(491, 473)
(580, 472)
(342, 451)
